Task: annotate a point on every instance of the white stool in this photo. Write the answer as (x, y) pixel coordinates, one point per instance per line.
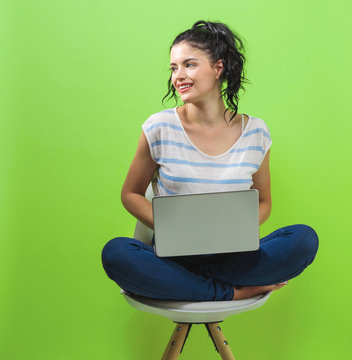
(185, 313)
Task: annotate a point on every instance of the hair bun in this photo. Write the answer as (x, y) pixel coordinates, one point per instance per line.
(214, 28)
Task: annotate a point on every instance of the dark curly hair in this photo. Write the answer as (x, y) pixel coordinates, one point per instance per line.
(219, 43)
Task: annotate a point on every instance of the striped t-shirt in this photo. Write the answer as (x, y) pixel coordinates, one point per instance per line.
(184, 169)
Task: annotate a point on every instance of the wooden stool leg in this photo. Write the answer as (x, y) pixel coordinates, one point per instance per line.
(177, 340)
(220, 341)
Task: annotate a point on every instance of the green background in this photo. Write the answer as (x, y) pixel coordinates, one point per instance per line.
(78, 79)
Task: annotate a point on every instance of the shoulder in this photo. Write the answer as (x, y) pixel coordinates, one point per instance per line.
(160, 119)
(257, 135)
(257, 125)
(161, 128)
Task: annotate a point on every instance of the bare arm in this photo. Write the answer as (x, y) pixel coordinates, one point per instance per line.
(261, 182)
(137, 180)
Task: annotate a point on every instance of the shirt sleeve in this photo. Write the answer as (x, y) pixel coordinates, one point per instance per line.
(259, 138)
(266, 138)
(150, 129)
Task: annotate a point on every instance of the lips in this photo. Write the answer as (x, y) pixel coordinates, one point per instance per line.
(183, 87)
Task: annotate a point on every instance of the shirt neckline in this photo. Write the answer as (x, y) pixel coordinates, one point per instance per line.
(200, 151)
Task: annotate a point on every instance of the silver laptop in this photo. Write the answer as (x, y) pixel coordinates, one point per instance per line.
(210, 223)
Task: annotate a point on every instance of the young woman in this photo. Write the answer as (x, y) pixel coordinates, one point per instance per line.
(205, 146)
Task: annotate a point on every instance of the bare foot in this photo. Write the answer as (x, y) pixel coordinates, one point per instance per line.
(245, 292)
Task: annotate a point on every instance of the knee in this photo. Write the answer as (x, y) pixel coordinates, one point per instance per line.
(308, 241)
(114, 250)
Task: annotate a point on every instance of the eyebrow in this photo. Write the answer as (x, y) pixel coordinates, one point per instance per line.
(184, 61)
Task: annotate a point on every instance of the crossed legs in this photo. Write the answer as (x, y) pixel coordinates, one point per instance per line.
(283, 254)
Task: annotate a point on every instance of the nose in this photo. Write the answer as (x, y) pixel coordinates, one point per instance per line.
(180, 74)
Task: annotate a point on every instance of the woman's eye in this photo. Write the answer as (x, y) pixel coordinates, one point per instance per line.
(173, 69)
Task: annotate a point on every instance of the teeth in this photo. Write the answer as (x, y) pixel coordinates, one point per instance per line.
(184, 86)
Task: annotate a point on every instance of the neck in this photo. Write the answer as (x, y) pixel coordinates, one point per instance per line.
(209, 114)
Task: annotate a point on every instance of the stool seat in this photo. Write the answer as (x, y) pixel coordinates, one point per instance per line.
(194, 312)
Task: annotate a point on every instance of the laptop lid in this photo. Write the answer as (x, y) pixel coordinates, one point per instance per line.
(209, 223)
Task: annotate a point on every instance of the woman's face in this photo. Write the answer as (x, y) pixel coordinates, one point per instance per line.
(194, 77)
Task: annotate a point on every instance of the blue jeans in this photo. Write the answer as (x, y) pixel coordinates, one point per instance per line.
(282, 255)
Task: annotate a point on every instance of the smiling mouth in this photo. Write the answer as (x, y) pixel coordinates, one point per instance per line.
(184, 88)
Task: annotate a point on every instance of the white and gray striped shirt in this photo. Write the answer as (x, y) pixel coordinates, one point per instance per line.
(184, 169)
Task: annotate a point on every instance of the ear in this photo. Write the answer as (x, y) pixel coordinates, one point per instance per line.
(218, 68)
